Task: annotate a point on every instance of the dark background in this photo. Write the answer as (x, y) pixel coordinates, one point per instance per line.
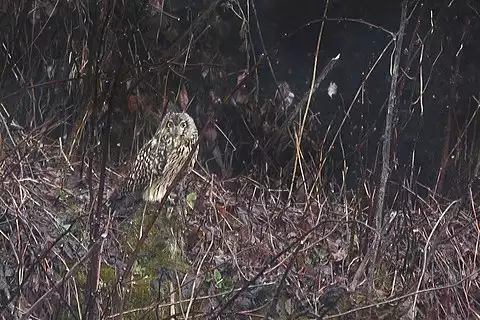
(45, 79)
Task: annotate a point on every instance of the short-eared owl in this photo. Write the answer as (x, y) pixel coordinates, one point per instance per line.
(159, 161)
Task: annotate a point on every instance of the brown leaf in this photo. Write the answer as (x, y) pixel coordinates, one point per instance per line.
(183, 98)
(211, 135)
(132, 104)
(221, 209)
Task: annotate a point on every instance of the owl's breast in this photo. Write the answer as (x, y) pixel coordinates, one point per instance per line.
(167, 174)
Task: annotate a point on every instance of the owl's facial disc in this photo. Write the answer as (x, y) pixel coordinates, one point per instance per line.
(181, 126)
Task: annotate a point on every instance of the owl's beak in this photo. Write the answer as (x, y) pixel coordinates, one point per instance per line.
(176, 131)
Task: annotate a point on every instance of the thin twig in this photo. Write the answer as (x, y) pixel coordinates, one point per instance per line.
(69, 274)
(387, 137)
(308, 100)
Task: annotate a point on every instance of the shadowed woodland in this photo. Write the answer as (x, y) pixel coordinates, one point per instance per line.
(338, 173)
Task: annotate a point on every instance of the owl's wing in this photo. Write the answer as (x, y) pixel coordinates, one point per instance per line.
(148, 165)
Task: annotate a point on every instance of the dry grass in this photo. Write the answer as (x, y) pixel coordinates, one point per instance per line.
(249, 250)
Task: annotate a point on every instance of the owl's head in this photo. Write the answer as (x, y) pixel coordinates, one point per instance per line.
(180, 126)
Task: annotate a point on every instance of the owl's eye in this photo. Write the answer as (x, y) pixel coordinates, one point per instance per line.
(183, 124)
(169, 124)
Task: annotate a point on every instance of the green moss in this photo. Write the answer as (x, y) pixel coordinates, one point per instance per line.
(163, 249)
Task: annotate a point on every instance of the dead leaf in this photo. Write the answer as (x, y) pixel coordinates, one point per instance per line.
(132, 104)
(183, 98)
(211, 135)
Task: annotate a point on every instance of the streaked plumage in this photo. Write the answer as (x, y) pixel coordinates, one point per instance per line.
(159, 161)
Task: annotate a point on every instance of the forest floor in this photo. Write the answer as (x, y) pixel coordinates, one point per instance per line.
(248, 253)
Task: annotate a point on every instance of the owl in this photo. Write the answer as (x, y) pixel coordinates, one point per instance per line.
(159, 161)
